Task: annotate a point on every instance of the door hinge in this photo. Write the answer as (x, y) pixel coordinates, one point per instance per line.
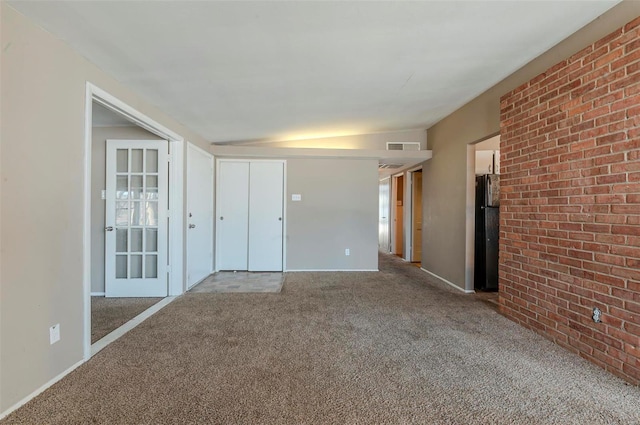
(169, 158)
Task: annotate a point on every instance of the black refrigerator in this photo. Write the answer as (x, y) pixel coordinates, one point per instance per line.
(487, 232)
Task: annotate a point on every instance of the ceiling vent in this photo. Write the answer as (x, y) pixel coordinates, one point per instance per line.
(403, 146)
(389, 166)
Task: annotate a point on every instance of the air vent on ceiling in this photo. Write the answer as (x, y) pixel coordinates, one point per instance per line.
(403, 146)
(389, 166)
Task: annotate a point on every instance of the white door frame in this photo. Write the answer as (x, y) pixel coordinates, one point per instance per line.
(388, 181)
(408, 213)
(393, 205)
(176, 204)
(284, 205)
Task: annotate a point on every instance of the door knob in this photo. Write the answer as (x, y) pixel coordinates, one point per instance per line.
(192, 226)
(279, 218)
(221, 218)
(109, 228)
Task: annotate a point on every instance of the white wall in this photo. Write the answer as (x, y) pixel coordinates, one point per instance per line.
(42, 186)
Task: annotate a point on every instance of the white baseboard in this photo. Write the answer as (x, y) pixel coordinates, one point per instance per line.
(95, 348)
(443, 280)
(330, 270)
(39, 390)
(97, 294)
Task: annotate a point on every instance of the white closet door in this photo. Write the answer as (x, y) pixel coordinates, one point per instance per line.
(232, 216)
(265, 218)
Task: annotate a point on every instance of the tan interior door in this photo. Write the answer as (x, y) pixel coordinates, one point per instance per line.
(416, 216)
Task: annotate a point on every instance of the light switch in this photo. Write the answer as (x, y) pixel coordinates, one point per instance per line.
(296, 197)
(54, 333)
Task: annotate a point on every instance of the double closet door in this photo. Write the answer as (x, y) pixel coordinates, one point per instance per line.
(249, 215)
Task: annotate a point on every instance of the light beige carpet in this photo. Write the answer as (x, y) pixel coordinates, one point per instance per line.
(335, 348)
(108, 314)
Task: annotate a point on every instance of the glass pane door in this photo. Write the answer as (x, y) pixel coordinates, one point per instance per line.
(137, 214)
(137, 206)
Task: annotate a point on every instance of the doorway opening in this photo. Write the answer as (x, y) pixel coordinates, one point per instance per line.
(108, 117)
(416, 216)
(483, 211)
(384, 212)
(401, 199)
(398, 215)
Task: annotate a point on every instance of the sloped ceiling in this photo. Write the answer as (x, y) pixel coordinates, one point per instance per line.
(237, 71)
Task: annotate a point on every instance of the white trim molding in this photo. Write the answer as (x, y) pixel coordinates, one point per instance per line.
(177, 272)
(40, 390)
(98, 294)
(95, 348)
(443, 280)
(121, 108)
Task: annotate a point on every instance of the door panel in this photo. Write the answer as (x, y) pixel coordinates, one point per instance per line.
(265, 217)
(491, 246)
(416, 239)
(199, 215)
(399, 215)
(232, 216)
(136, 218)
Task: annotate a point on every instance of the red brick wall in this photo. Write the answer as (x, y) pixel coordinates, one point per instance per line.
(570, 203)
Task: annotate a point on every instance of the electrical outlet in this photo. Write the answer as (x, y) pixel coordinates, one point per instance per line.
(347, 252)
(597, 315)
(54, 333)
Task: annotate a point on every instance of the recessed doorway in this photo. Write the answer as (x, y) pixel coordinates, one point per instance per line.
(416, 216)
(398, 216)
(482, 217)
(121, 119)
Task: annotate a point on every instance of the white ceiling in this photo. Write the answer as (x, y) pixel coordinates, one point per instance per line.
(236, 71)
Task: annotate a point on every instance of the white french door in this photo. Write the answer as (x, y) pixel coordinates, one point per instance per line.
(136, 218)
(199, 215)
(249, 215)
